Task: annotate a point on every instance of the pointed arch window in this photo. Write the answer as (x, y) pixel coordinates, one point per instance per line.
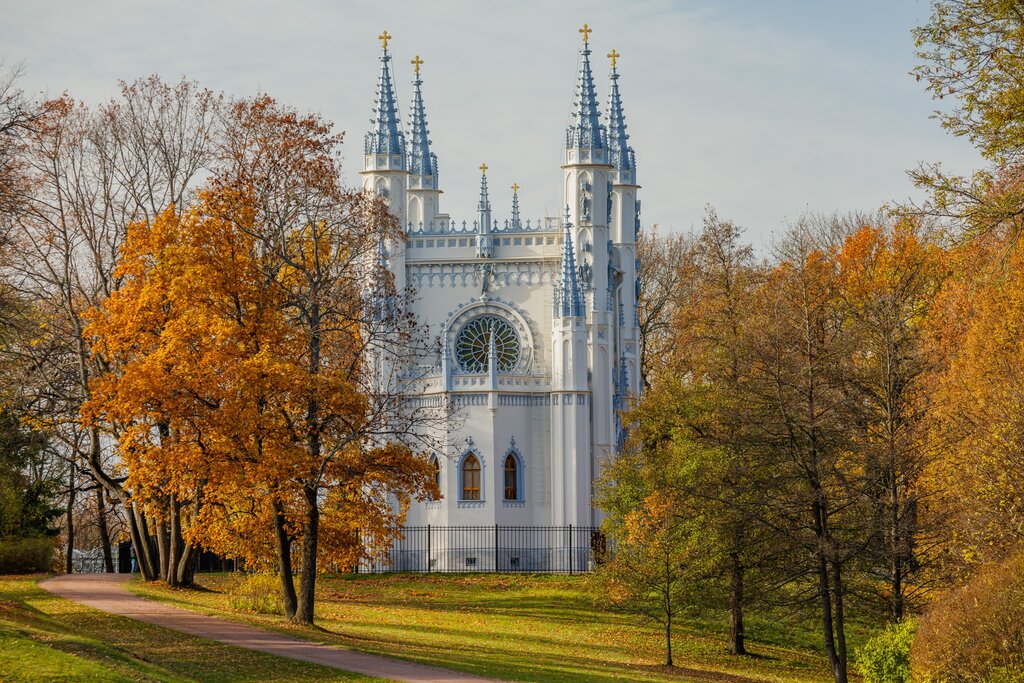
(471, 478)
(435, 468)
(511, 477)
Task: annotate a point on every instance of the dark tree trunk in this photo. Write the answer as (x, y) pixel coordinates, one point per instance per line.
(284, 561)
(140, 544)
(143, 550)
(307, 580)
(69, 566)
(840, 621)
(101, 516)
(736, 636)
(824, 592)
(311, 524)
(668, 610)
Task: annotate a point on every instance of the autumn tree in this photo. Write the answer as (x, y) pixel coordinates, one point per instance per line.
(324, 239)
(664, 276)
(694, 419)
(889, 273)
(89, 175)
(975, 344)
(972, 54)
(807, 420)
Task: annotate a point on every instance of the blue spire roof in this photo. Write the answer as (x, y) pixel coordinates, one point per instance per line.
(586, 129)
(516, 220)
(620, 154)
(386, 136)
(421, 161)
(568, 302)
(485, 202)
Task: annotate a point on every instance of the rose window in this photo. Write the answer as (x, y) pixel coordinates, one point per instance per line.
(472, 346)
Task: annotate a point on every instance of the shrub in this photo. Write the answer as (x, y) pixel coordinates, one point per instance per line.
(886, 657)
(975, 633)
(25, 555)
(259, 593)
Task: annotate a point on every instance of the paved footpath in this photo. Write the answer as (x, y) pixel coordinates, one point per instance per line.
(106, 592)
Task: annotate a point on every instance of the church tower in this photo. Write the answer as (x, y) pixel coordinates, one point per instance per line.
(625, 227)
(385, 163)
(587, 188)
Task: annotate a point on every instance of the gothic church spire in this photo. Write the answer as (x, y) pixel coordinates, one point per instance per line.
(386, 137)
(620, 154)
(585, 129)
(421, 162)
(568, 299)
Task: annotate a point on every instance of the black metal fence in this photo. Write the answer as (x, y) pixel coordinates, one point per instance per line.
(531, 549)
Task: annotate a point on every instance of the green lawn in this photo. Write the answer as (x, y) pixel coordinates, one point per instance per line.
(46, 638)
(527, 628)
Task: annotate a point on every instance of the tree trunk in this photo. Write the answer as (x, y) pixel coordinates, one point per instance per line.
(840, 621)
(139, 545)
(284, 561)
(140, 540)
(173, 542)
(162, 541)
(101, 516)
(307, 575)
(824, 592)
(69, 566)
(186, 569)
(736, 636)
(668, 610)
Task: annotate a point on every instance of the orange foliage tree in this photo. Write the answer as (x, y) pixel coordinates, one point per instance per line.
(249, 378)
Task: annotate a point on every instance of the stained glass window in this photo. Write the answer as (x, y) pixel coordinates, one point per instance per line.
(473, 343)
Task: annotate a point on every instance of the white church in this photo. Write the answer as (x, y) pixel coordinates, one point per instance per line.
(538, 336)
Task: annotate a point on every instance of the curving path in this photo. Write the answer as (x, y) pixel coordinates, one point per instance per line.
(106, 592)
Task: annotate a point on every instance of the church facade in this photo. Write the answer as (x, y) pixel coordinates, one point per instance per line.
(535, 321)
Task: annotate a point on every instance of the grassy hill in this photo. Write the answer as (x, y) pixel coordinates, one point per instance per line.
(46, 638)
(529, 628)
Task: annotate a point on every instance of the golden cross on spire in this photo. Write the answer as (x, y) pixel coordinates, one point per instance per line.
(613, 55)
(384, 38)
(416, 63)
(586, 31)
(483, 169)
(515, 187)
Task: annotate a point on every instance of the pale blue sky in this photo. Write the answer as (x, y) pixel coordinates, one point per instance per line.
(763, 109)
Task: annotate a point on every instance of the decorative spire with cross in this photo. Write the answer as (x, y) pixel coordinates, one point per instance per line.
(484, 246)
(517, 223)
(386, 137)
(585, 130)
(620, 154)
(421, 162)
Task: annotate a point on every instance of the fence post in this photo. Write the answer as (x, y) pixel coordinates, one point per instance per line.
(570, 549)
(428, 548)
(496, 570)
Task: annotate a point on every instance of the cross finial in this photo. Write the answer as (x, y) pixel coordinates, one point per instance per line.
(483, 169)
(613, 55)
(384, 38)
(515, 187)
(586, 31)
(416, 64)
